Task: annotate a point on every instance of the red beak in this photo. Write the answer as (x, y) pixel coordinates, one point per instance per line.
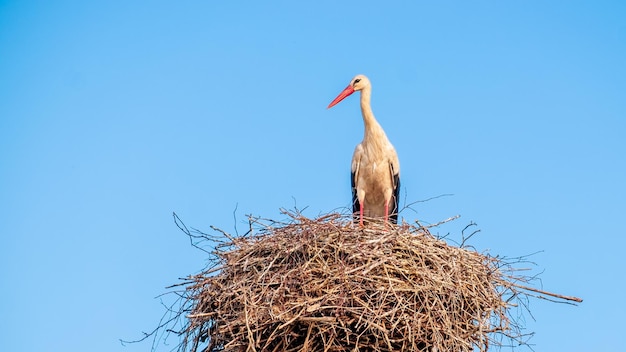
(349, 90)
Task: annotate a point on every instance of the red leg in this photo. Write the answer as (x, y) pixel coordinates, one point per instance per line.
(386, 212)
(361, 214)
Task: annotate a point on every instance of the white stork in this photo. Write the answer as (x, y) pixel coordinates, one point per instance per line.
(375, 165)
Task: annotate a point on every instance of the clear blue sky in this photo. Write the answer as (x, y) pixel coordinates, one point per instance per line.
(115, 114)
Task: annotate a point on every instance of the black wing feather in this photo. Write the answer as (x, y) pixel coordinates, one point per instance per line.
(395, 201)
(355, 200)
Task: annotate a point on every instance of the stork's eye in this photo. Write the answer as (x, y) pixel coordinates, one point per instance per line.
(357, 80)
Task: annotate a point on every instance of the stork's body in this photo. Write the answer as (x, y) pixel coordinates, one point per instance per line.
(375, 166)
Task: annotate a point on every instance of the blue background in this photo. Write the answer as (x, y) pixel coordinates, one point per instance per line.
(115, 114)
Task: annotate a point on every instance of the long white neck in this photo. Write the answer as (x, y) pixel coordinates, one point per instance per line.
(373, 130)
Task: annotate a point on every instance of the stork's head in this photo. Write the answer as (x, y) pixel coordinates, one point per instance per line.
(359, 82)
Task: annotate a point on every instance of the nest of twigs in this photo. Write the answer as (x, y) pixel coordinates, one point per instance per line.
(328, 285)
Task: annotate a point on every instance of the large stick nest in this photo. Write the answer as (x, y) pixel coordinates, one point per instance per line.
(329, 285)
